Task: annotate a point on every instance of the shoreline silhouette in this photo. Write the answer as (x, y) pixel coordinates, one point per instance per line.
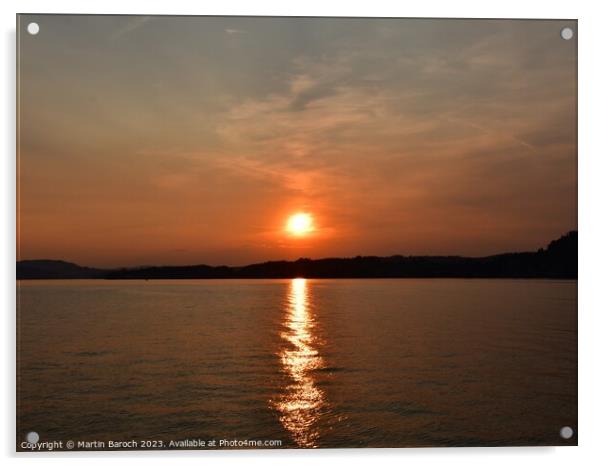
(557, 260)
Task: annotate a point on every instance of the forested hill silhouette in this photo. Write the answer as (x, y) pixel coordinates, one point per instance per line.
(558, 260)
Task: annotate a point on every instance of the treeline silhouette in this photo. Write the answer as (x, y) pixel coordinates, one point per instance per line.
(557, 260)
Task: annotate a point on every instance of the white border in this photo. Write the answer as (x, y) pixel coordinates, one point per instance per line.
(590, 225)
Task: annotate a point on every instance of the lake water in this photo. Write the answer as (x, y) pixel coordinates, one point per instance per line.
(310, 363)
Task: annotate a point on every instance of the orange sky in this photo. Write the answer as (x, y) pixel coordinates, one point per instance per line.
(181, 140)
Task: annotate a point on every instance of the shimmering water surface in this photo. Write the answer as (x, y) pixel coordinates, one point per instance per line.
(312, 363)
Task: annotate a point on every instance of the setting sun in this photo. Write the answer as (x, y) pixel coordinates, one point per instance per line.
(300, 224)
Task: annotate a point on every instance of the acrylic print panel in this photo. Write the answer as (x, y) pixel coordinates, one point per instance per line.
(262, 232)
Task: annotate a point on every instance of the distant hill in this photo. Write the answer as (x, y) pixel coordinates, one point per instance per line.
(558, 260)
(45, 269)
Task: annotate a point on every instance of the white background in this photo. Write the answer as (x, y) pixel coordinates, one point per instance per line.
(590, 231)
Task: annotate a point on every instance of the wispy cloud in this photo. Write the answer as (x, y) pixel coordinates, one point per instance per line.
(130, 26)
(234, 31)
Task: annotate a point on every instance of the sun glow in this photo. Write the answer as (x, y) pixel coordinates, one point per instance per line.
(300, 224)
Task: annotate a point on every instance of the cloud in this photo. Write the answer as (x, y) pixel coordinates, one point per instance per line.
(432, 133)
(130, 26)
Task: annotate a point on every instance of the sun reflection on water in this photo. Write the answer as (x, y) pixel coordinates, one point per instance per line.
(301, 403)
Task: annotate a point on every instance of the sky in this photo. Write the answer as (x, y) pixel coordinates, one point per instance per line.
(188, 140)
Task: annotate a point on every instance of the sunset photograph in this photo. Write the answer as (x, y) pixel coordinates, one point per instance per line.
(295, 232)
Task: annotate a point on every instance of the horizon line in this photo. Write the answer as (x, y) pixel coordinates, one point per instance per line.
(124, 267)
